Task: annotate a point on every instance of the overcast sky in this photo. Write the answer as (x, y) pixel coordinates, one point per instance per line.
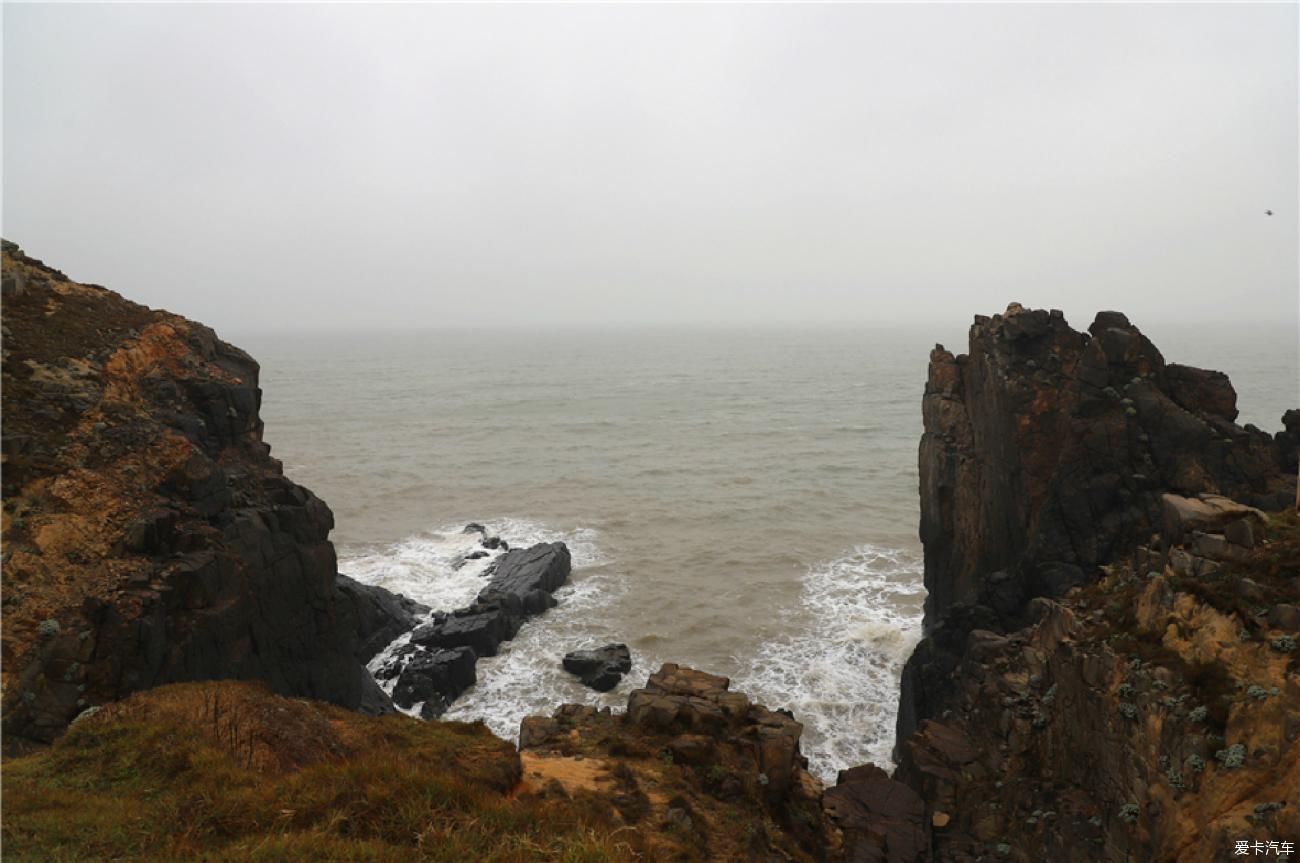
(313, 166)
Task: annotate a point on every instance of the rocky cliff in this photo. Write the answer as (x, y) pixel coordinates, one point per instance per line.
(1108, 668)
(149, 536)
(1044, 456)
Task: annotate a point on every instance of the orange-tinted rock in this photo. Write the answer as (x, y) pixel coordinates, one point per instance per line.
(149, 536)
(719, 754)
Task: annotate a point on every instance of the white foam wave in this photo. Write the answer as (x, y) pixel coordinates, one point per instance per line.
(839, 671)
(526, 676)
(431, 567)
(837, 668)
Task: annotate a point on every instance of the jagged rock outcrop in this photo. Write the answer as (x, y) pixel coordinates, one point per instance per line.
(1152, 715)
(435, 678)
(149, 536)
(705, 772)
(879, 819)
(1108, 670)
(1044, 456)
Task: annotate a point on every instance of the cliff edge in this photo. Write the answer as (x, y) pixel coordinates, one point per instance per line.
(1108, 670)
(149, 536)
(1044, 456)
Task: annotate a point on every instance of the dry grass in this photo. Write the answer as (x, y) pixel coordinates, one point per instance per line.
(227, 771)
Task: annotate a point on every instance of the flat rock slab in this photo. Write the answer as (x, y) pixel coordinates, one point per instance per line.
(522, 571)
(673, 679)
(1208, 512)
(481, 627)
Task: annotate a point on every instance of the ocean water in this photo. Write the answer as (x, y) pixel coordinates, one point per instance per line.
(743, 502)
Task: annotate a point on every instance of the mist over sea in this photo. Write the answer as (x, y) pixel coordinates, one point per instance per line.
(741, 501)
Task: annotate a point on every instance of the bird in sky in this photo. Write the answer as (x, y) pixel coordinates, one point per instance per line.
(1268, 212)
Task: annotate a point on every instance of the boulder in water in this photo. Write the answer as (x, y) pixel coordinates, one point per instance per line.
(602, 668)
(439, 675)
(442, 652)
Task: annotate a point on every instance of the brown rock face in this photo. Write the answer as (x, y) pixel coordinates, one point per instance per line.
(1045, 455)
(1150, 716)
(149, 537)
(881, 820)
(1107, 672)
(701, 772)
(1045, 452)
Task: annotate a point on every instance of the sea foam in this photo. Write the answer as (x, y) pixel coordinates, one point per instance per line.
(526, 675)
(839, 673)
(857, 619)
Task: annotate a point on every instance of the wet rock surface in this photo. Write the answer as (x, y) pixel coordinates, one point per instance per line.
(435, 677)
(602, 668)
(376, 615)
(437, 663)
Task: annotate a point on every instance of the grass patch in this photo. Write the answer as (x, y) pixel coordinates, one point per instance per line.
(164, 776)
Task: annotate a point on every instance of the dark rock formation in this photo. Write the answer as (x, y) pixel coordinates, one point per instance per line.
(1105, 672)
(149, 537)
(435, 676)
(1288, 442)
(376, 615)
(480, 627)
(520, 587)
(1149, 716)
(881, 820)
(523, 572)
(1044, 456)
(602, 668)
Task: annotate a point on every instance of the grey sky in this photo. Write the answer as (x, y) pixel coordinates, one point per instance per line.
(303, 166)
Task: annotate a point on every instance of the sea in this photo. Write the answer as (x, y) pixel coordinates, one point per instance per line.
(741, 501)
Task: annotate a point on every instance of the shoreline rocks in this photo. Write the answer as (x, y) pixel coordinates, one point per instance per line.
(437, 665)
(376, 615)
(686, 759)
